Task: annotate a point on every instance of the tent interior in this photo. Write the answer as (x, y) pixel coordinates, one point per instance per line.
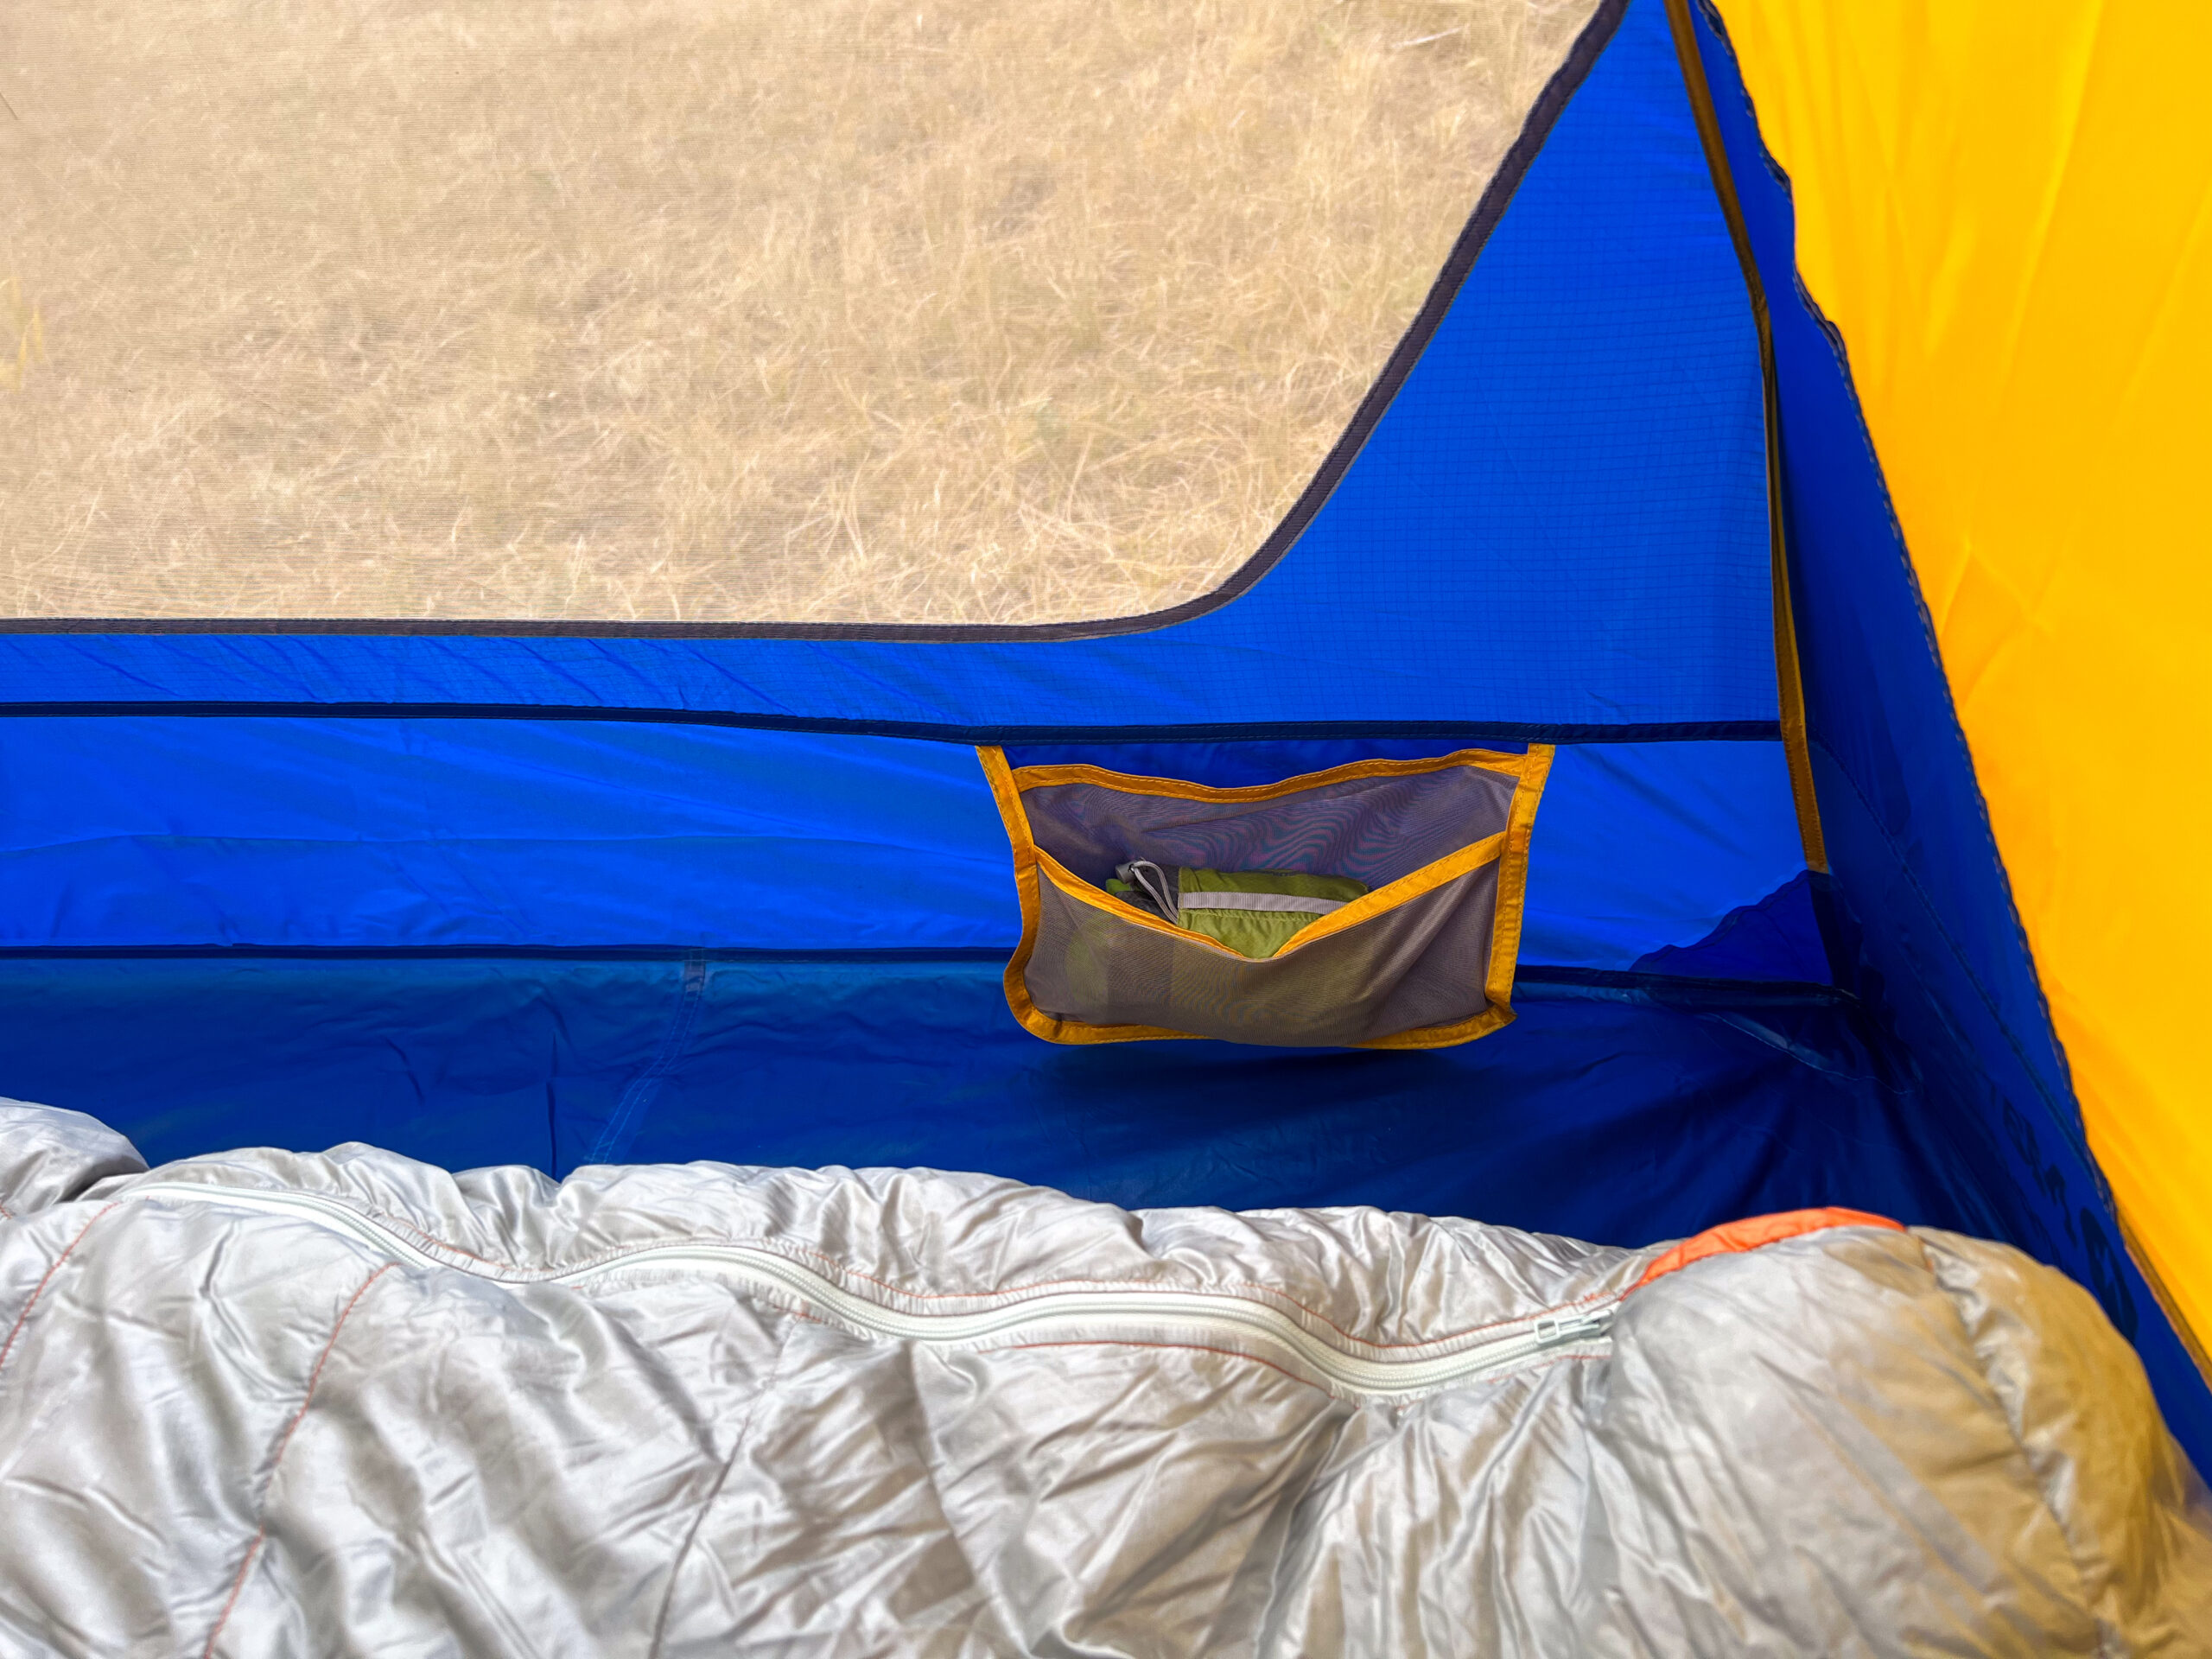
(487, 816)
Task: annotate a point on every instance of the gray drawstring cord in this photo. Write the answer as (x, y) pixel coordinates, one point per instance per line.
(1151, 881)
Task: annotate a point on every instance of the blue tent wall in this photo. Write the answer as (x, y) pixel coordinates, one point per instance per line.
(138, 832)
(1622, 1111)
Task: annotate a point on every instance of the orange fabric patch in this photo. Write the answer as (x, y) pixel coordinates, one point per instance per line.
(1733, 1238)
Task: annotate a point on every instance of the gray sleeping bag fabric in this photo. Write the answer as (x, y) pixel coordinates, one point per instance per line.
(273, 1404)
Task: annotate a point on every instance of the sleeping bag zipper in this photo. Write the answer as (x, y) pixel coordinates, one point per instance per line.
(1099, 1313)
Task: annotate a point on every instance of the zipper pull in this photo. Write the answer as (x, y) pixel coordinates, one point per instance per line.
(1554, 1329)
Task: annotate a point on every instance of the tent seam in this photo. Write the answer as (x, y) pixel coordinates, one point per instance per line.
(1790, 684)
(1840, 355)
(621, 1128)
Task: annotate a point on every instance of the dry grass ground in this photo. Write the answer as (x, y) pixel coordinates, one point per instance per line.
(945, 310)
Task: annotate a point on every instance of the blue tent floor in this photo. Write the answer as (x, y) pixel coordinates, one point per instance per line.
(1610, 1112)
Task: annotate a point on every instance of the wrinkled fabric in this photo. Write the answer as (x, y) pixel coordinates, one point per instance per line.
(49, 1156)
(229, 1431)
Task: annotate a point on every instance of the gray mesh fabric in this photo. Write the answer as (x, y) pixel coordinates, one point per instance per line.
(1376, 830)
(1421, 962)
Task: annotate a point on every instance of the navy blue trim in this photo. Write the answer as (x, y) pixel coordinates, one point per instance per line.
(493, 953)
(1745, 731)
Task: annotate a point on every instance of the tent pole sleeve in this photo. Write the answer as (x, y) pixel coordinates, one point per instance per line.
(1789, 681)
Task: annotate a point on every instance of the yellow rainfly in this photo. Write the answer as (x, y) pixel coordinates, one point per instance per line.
(2006, 207)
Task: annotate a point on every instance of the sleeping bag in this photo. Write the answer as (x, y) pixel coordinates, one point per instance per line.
(272, 1403)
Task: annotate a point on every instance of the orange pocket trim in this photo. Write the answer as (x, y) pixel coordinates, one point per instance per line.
(1733, 1237)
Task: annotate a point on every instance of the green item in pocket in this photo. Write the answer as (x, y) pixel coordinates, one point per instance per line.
(1254, 913)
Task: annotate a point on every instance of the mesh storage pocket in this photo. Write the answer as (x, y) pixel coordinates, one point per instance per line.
(1424, 959)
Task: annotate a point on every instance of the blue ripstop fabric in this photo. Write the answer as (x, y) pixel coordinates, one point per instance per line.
(1640, 846)
(1779, 937)
(1920, 894)
(1561, 520)
(134, 831)
(1606, 1116)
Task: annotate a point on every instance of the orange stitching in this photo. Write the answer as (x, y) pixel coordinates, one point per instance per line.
(377, 1212)
(782, 1247)
(1232, 1353)
(1188, 1347)
(15, 1329)
(261, 1534)
(382, 1214)
(1117, 1285)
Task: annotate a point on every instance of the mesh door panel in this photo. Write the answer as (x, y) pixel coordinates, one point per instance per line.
(708, 310)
